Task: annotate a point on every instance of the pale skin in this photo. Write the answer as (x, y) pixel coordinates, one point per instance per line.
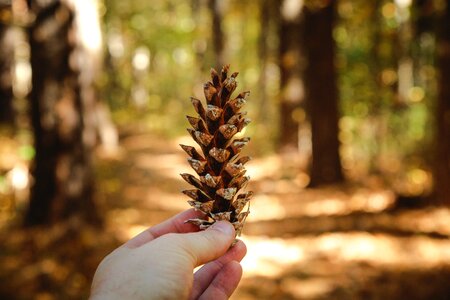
(159, 262)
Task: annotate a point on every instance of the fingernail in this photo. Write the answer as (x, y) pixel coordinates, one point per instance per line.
(224, 227)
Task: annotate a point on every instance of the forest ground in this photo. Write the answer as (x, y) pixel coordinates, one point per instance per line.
(339, 242)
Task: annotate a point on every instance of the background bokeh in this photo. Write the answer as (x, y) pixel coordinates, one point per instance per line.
(93, 99)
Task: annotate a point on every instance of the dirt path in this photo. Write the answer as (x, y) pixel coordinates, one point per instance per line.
(331, 243)
(338, 242)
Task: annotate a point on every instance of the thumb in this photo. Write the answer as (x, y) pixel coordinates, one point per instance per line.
(207, 245)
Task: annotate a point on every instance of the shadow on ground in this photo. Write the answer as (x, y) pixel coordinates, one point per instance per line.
(340, 242)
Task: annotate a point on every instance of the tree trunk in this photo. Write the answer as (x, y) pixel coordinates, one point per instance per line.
(442, 142)
(63, 178)
(322, 95)
(291, 63)
(6, 62)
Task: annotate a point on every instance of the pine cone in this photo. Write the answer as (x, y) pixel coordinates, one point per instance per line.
(219, 189)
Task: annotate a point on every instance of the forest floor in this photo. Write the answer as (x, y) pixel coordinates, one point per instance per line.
(339, 242)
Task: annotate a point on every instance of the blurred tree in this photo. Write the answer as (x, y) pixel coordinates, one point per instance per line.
(381, 53)
(199, 43)
(263, 48)
(63, 178)
(6, 62)
(292, 60)
(321, 92)
(442, 141)
(218, 39)
(268, 53)
(424, 13)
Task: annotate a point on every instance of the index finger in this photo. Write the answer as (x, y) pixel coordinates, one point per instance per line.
(176, 224)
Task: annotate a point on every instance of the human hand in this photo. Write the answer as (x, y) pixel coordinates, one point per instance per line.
(158, 263)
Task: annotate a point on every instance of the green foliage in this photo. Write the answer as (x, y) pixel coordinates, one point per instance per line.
(159, 53)
(174, 39)
(386, 95)
(150, 65)
(26, 152)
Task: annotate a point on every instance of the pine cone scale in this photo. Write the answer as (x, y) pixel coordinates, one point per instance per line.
(219, 189)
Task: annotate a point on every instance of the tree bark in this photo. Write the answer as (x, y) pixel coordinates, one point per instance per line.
(6, 62)
(322, 95)
(442, 141)
(63, 178)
